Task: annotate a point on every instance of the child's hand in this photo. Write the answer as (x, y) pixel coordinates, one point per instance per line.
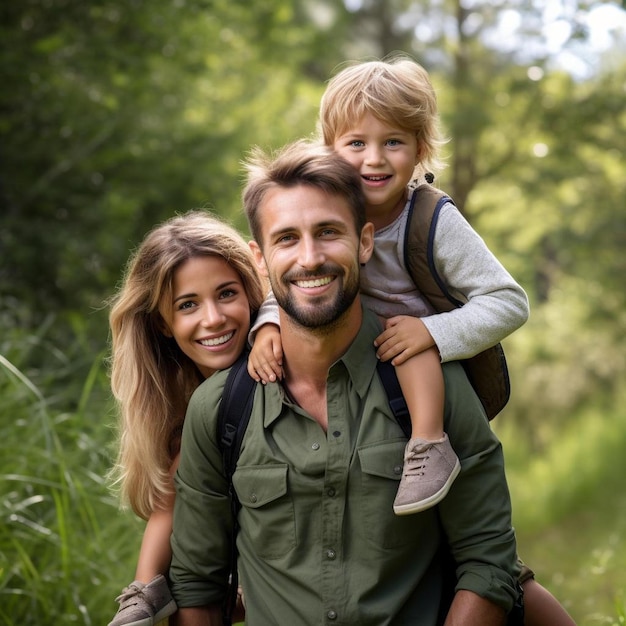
(404, 336)
(266, 358)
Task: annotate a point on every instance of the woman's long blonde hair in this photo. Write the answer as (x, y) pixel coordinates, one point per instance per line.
(151, 378)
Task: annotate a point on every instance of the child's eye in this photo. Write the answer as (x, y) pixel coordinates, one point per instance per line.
(357, 143)
(393, 142)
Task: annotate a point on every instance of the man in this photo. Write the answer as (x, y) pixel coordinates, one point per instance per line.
(319, 465)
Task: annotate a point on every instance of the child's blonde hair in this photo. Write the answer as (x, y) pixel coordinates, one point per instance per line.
(397, 91)
(151, 378)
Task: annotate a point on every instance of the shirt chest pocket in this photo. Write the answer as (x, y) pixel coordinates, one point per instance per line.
(266, 518)
(381, 471)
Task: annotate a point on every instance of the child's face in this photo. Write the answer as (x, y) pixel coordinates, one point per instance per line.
(384, 156)
(209, 316)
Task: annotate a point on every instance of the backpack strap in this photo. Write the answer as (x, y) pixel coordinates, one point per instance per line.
(487, 371)
(426, 204)
(397, 403)
(232, 420)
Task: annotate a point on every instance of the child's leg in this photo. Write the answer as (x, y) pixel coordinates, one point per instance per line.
(147, 600)
(430, 464)
(421, 380)
(155, 553)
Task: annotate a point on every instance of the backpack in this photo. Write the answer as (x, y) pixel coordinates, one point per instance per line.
(487, 371)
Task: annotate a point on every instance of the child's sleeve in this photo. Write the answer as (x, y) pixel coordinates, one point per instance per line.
(268, 314)
(495, 304)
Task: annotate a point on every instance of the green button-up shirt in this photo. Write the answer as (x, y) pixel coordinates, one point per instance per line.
(319, 542)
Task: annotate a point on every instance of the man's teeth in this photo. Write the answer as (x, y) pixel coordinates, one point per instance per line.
(218, 341)
(317, 282)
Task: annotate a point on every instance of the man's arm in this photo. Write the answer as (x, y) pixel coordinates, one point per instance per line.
(469, 609)
(476, 513)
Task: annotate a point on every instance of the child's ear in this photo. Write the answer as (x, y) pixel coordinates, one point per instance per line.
(419, 153)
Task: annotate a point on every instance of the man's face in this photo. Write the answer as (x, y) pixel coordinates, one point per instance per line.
(311, 253)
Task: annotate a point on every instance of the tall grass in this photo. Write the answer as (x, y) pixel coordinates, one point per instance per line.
(65, 550)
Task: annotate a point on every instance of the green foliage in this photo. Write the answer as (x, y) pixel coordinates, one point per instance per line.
(61, 537)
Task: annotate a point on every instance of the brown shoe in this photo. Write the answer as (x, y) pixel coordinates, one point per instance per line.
(430, 468)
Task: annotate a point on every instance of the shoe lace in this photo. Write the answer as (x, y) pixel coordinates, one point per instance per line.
(415, 461)
(129, 592)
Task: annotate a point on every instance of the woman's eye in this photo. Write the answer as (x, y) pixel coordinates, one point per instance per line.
(227, 293)
(185, 305)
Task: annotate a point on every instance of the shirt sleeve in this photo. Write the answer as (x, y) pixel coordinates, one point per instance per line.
(268, 314)
(476, 513)
(202, 527)
(495, 304)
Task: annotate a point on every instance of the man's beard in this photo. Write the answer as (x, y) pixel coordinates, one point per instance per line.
(323, 313)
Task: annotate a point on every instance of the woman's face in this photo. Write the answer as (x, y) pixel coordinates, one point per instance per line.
(209, 315)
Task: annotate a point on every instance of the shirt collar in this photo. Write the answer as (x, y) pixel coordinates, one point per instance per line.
(359, 361)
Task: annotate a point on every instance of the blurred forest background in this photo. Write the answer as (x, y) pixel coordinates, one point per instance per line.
(114, 115)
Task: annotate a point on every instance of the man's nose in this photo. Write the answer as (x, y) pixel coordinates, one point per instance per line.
(311, 253)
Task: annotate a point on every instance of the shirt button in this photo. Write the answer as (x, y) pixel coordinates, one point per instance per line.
(253, 498)
(330, 554)
(332, 615)
(336, 433)
(315, 446)
(331, 491)
(397, 470)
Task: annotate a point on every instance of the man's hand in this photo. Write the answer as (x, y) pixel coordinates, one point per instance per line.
(404, 336)
(266, 358)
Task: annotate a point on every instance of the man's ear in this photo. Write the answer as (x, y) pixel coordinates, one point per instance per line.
(366, 244)
(259, 259)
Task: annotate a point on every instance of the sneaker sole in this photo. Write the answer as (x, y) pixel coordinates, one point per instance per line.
(427, 503)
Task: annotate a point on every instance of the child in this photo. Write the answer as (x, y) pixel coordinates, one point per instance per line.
(183, 312)
(382, 117)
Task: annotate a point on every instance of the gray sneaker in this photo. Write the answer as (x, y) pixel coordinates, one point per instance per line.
(144, 605)
(430, 468)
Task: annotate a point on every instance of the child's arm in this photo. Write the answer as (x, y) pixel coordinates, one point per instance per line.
(495, 304)
(266, 358)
